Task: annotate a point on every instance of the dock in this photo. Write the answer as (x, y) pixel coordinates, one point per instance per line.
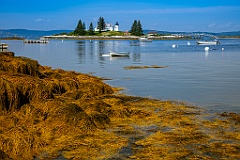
(3, 46)
(41, 40)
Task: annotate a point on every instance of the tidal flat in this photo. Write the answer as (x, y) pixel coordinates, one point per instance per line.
(52, 113)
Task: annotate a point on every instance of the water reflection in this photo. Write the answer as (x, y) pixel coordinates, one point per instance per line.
(99, 50)
(134, 43)
(91, 50)
(81, 48)
(118, 58)
(136, 51)
(206, 54)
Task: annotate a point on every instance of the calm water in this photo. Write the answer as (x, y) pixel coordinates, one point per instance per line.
(209, 79)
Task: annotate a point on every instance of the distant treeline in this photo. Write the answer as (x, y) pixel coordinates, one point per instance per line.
(229, 36)
(12, 38)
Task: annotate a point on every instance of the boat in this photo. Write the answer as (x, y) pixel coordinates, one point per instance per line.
(208, 42)
(3, 46)
(119, 54)
(144, 39)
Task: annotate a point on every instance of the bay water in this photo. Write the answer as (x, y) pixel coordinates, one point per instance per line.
(209, 79)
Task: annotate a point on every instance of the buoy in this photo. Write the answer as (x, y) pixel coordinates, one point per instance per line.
(188, 43)
(206, 48)
(222, 49)
(173, 46)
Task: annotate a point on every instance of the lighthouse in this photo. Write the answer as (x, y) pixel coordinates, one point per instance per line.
(116, 26)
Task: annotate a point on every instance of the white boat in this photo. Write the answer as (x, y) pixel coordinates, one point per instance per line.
(144, 39)
(119, 54)
(208, 42)
(3, 46)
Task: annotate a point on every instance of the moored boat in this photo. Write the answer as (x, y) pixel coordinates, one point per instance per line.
(208, 42)
(119, 54)
(144, 39)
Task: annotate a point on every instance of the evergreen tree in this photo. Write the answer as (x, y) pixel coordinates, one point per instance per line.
(80, 29)
(134, 28)
(91, 31)
(79, 25)
(139, 30)
(84, 28)
(101, 24)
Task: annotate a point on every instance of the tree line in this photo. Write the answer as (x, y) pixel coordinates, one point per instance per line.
(136, 28)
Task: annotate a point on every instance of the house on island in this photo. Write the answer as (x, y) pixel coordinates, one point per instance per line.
(110, 27)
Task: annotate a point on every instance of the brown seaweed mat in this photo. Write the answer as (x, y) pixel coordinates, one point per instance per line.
(50, 114)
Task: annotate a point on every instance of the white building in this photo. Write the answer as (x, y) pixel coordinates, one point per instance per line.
(110, 27)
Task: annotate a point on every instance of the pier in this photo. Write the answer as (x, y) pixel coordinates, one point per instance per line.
(3, 46)
(41, 40)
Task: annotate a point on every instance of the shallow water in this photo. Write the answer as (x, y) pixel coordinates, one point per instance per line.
(209, 79)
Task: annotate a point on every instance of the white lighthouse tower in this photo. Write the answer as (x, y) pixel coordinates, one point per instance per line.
(116, 27)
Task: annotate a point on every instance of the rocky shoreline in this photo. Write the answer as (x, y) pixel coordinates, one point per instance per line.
(49, 114)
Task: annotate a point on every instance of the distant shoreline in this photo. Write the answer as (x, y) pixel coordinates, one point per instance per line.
(115, 37)
(101, 37)
(12, 38)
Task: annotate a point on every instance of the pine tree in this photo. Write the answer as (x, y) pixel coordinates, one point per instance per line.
(134, 28)
(84, 26)
(139, 30)
(79, 25)
(91, 31)
(101, 24)
(80, 29)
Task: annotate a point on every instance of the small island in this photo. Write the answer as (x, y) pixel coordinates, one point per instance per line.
(107, 31)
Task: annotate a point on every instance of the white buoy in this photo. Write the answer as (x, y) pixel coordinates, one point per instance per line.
(188, 43)
(222, 49)
(173, 46)
(206, 48)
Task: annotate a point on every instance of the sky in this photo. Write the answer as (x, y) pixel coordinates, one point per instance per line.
(162, 15)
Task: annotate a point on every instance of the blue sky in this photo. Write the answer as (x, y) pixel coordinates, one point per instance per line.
(164, 15)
